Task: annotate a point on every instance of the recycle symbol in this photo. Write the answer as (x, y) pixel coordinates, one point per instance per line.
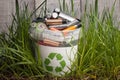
(59, 59)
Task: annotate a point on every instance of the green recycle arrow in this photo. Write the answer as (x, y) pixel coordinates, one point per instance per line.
(59, 58)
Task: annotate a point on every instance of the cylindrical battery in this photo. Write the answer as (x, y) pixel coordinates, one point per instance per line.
(62, 15)
(59, 20)
(36, 30)
(54, 15)
(51, 43)
(59, 26)
(69, 18)
(72, 27)
(76, 21)
(54, 23)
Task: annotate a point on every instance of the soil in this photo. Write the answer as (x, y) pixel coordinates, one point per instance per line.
(45, 78)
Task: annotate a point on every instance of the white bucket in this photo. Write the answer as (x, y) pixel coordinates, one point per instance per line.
(57, 60)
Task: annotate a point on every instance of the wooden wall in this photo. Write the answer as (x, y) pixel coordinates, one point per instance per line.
(104, 4)
(52, 4)
(8, 6)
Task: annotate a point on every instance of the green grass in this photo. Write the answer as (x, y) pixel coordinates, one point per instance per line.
(17, 52)
(98, 49)
(68, 9)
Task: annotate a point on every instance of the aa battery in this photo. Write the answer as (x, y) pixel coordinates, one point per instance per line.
(36, 30)
(54, 29)
(58, 21)
(62, 26)
(72, 27)
(62, 15)
(51, 42)
(76, 21)
(54, 15)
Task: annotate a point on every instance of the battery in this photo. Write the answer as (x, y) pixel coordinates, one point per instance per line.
(36, 30)
(62, 15)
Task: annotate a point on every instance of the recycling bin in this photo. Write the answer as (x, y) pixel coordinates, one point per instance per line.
(56, 38)
(58, 60)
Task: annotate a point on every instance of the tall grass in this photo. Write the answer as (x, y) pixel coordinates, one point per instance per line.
(98, 49)
(17, 56)
(67, 7)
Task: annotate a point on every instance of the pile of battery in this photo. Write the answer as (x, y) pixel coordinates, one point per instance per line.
(55, 29)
